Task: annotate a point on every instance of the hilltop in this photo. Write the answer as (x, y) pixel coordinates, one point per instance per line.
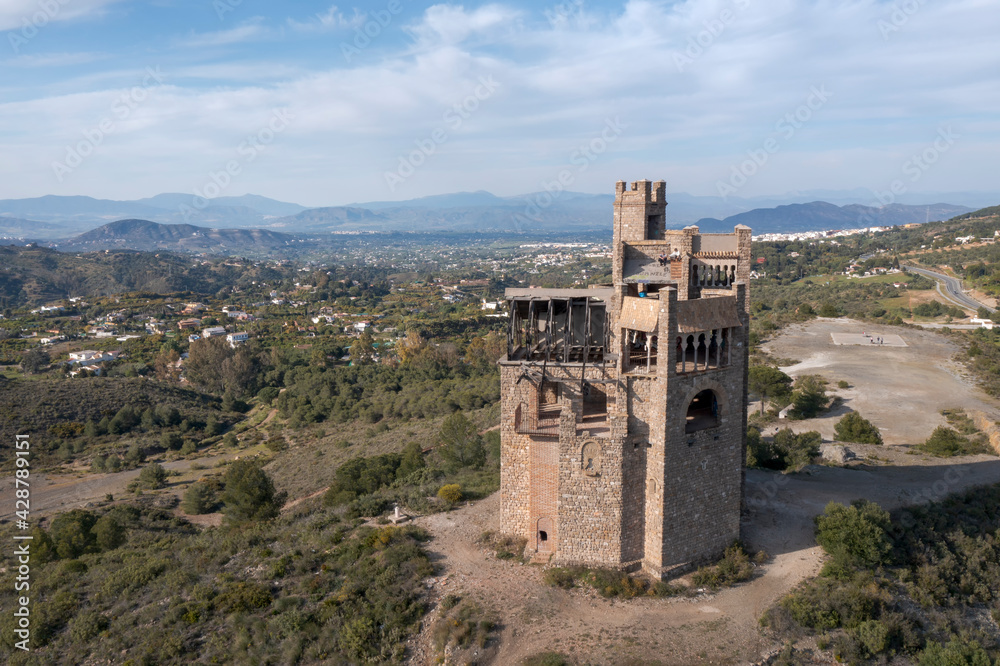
(146, 235)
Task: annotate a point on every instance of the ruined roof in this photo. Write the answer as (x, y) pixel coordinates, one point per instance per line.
(705, 314)
(602, 294)
(639, 314)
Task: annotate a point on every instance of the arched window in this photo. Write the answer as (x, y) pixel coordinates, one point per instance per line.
(703, 412)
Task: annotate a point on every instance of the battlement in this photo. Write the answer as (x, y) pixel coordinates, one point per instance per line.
(643, 191)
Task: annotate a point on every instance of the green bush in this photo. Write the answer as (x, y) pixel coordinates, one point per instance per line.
(946, 443)
(249, 493)
(855, 535)
(152, 476)
(734, 567)
(450, 492)
(199, 498)
(852, 427)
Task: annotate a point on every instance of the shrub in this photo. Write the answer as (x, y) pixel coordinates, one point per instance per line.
(843, 384)
(946, 442)
(243, 597)
(734, 567)
(451, 492)
(461, 444)
(108, 533)
(809, 397)
(199, 498)
(852, 427)
(268, 394)
(855, 535)
(958, 652)
(152, 476)
(560, 577)
(172, 441)
(249, 493)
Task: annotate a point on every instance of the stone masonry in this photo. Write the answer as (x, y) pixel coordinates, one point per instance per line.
(623, 407)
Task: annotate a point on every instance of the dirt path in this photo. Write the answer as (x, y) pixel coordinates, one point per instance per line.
(63, 492)
(719, 628)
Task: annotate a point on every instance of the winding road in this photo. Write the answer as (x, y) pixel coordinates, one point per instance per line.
(952, 288)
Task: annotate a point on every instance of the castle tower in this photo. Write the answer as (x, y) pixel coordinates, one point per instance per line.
(623, 408)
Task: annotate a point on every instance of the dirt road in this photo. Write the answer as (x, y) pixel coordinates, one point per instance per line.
(719, 628)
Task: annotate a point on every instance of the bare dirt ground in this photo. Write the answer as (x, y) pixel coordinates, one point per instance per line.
(900, 389)
(720, 628)
(75, 490)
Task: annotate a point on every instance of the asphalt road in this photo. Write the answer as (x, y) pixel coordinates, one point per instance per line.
(952, 288)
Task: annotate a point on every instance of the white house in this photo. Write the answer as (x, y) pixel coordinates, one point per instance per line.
(91, 356)
(984, 323)
(237, 338)
(212, 331)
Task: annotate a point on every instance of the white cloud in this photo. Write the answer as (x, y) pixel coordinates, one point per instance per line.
(35, 15)
(331, 19)
(245, 32)
(559, 82)
(54, 59)
(450, 24)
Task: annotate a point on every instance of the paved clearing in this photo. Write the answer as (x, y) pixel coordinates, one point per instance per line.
(902, 390)
(867, 339)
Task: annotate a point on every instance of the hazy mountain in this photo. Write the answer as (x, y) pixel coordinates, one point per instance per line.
(820, 215)
(13, 227)
(147, 235)
(70, 215)
(60, 217)
(250, 202)
(456, 200)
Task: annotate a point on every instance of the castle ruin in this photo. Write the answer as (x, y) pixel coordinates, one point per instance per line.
(624, 407)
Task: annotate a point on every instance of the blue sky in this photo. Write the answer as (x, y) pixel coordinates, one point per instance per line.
(325, 105)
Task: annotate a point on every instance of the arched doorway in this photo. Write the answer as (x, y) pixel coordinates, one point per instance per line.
(703, 412)
(544, 535)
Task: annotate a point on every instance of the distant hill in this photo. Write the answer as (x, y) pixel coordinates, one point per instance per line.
(147, 235)
(66, 216)
(36, 275)
(13, 227)
(62, 217)
(820, 215)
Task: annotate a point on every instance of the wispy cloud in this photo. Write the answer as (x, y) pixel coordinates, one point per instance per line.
(19, 14)
(54, 59)
(330, 20)
(248, 31)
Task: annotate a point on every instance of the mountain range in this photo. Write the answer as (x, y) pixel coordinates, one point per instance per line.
(203, 226)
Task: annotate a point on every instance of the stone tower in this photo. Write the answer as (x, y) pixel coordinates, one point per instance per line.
(623, 417)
